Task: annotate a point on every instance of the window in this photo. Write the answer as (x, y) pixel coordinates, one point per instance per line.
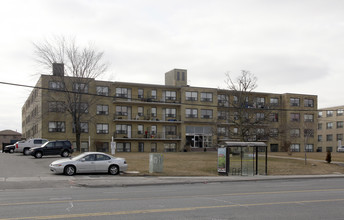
(308, 132)
(274, 117)
(102, 109)
(191, 96)
(319, 149)
(121, 129)
(206, 113)
(273, 132)
(102, 147)
(295, 147)
(308, 102)
(319, 126)
(102, 90)
(140, 111)
(183, 76)
(339, 124)
(274, 101)
(236, 115)
(294, 101)
(339, 137)
(320, 114)
(102, 157)
(235, 99)
(153, 112)
(102, 128)
(329, 125)
(308, 117)
(56, 106)
(80, 87)
(170, 95)
(235, 130)
(178, 76)
(222, 131)
(171, 112)
(295, 132)
(170, 130)
(154, 147)
(329, 137)
(294, 117)
(222, 100)
(153, 94)
(57, 126)
(191, 113)
(83, 127)
(140, 129)
(329, 113)
(329, 149)
(81, 107)
(274, 147)
(222, 115)
(260, 102)
(309, 148)
(56, 85)
(123, 93)
(140, 93)
(319, 138)
(141, 147)
(206, 96)
(153, 129)
(170, 147)
(123, 147)
(121, 110)
(260, 116)
(340, 112)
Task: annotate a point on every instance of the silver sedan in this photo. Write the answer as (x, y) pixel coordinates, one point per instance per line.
(90, 162)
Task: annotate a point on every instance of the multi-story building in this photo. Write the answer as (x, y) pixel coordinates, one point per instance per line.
(164, 118)
(330, 128)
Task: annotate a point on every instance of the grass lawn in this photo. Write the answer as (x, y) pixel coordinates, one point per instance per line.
(205, 164)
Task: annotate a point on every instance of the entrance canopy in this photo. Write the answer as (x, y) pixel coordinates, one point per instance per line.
(247, 158)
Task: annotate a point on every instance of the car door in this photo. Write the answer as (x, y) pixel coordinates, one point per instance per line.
(48, 149)
(102, 163)
(86, 164)
(58, 148)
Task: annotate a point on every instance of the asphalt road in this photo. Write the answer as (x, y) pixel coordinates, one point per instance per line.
(296, 199)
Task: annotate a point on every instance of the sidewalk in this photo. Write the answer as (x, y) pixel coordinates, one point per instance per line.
(98, 181)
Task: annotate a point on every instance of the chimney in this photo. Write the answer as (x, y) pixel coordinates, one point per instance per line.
(58, 69)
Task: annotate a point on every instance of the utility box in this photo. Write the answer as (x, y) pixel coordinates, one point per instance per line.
(156, 162)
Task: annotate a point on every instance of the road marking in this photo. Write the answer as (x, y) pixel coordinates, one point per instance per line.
(145, 211)
(166, 197)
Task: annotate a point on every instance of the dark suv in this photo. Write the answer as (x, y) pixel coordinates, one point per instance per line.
(63, 148)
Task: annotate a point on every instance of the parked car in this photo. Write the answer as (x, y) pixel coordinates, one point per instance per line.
(24, 146)
(340, 149)
(90, 162)
(9, 148)
(61, 147)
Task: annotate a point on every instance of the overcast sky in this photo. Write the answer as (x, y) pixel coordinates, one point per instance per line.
(293, 46)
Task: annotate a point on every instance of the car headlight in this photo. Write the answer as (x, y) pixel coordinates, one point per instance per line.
(56, 165)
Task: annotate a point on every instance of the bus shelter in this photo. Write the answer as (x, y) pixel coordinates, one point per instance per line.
(243, 158)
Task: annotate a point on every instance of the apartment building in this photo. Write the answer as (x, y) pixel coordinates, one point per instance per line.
(330, 128)
(164, 118)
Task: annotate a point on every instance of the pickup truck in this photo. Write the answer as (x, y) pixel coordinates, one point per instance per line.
(24, 147)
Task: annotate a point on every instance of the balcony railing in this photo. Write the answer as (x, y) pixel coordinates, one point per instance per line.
(156, 100)
(148, 135)
(148, 117)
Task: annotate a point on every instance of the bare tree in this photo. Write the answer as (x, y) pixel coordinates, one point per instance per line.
(77, 67)
(248, 113)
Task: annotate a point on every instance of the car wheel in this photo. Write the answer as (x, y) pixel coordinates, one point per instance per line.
(113, 170)
(65, 154)
(26, 151)
(38, 154)
(69, 170)
(11, 151)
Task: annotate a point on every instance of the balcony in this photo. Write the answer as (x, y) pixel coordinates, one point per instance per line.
(160, 118)
(138, 135)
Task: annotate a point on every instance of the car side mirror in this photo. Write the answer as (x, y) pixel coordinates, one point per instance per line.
(82, 159)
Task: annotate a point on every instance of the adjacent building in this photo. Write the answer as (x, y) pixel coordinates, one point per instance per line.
(330, 128)
(8, 137)
(164, 118)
